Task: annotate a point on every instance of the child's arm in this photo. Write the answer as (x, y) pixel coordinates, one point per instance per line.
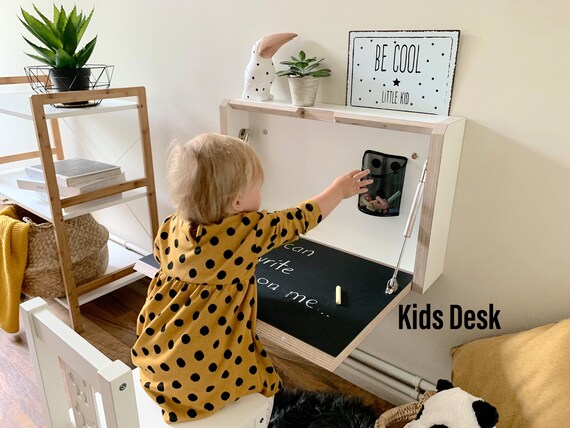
(342, 187)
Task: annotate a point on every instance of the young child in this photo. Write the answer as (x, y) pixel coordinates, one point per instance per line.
(196, 343)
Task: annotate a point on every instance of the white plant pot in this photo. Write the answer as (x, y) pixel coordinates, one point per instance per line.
(303, 90)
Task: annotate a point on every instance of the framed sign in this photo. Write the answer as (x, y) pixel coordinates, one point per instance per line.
(402, 70)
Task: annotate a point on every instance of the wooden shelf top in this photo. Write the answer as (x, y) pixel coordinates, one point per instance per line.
(18, 104)
(35, 202)
(376, 118)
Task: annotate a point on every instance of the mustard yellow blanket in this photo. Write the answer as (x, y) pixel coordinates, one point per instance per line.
(14, 256)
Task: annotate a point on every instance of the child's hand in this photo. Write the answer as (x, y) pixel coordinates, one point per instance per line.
(351, 183)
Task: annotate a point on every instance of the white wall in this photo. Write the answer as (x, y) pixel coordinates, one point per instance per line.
(509, 241)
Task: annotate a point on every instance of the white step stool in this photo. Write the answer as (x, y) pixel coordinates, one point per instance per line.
(105, 393)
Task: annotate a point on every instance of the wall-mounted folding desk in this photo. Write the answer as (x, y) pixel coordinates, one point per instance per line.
(303, 150)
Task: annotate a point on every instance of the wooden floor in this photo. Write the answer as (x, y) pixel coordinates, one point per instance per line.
(109, 324)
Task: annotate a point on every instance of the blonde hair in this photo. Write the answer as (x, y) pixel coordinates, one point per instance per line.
(206, 173)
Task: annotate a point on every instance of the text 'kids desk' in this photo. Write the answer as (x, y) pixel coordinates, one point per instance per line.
(297, 282)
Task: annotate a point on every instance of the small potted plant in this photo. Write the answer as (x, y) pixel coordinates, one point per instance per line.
(304, 74)
(61, 37)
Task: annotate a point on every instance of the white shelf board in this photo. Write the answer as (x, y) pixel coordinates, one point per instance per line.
(119, 257)
(34, 202)
(285, 106)
(18, 104)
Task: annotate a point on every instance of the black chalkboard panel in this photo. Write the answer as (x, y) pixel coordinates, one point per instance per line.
(296, 285)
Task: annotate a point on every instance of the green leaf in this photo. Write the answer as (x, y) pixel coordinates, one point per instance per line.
(40, 30)
(51, 25)
(302, 56)
(83, 26)
(55, 14)
(62, 20)
(41, 59)
(64, 60)
(83, 55)
(70, 36)
(45, 53)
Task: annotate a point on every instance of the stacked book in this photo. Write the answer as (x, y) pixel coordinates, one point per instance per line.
(74, 176)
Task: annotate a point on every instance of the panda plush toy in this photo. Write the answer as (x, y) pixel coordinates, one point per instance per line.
(454, 408)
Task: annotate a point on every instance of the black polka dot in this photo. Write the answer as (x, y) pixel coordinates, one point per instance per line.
(181, 362)
(158, 297)
(269, 369)
(147, 385)
(216, 344)
(210, 388)
(164, 235)
(239, 381)
(160, 386)
(204, 294)
(175, 306)
(167, 250)
(240, 316)
(259, 233)
(253, 370)
(238, 360)
(225, 395)
(240, 338)
(284, 233)
(149, 331)
(213, 367)
(221, 275)
(230, 231)
(192, 397)
(150, 369)
(195, 315)
(228, 330)
(290, 216)
(275, 221)
(156, 349)
(222, 320)
(227, 354)
(238, 261)
(212, 308)
(251, 347)
(239, 287)
(160, 399)
(204, 331)
(246, 221)
(170, 344)
(176, 400)
(214, 240)
(164, 367)
(182, 258)
(141, 318)
(192, 273)
(192, 413)
(145, 351)
(225, 374)
(185, 339)
(252, 301)
(179, 322)
(195, 377)
(134, 353)
(197, 250)
(170, 265)
(228, 254)
(210, 263)
(199, 355)
(175, 241)
(209, 407)
(309, 207)
(249, 266)
(228, 299)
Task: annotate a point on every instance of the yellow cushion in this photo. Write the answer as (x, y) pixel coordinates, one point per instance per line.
(525, 375)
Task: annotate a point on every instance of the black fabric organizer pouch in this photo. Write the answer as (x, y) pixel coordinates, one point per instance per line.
(385, 194)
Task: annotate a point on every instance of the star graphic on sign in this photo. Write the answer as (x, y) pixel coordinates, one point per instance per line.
(396, 82)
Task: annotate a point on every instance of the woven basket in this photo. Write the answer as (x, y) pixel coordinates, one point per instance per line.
(88, 248)
(403, 413)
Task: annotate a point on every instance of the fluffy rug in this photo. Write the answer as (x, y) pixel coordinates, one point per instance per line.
(305, 409)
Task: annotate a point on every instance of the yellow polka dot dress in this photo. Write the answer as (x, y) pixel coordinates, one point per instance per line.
(196, 343)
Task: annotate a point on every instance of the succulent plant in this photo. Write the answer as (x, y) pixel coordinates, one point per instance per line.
(61, 37)
(303, 66)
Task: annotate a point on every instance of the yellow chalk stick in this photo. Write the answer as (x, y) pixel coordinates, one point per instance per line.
(338, 294)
